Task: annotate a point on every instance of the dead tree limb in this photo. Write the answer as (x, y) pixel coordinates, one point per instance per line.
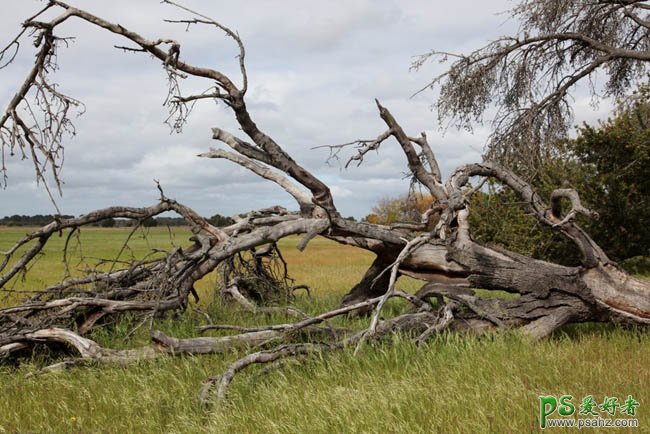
(549, 295)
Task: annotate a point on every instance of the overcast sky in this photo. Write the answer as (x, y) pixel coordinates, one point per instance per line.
(314, 71)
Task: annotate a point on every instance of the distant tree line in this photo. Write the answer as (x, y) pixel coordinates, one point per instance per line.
(30, 220)
(44, 219)
(607, 164)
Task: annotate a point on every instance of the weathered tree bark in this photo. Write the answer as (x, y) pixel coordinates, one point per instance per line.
(549, 295)
(373, 283)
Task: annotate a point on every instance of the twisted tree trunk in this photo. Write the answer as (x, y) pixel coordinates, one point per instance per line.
(549, 295)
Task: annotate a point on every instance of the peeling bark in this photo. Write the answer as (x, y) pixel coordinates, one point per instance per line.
(548, 295)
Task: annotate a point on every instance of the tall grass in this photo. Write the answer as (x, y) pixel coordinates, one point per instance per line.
(454, 384)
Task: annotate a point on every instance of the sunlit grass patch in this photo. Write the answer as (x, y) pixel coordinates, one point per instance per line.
(455, 383)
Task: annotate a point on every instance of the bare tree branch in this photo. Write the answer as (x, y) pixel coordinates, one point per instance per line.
(529, 77)
(447, 256)
(207, 20)
(265, 172)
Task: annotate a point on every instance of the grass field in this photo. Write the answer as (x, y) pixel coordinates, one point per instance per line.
(455, 384)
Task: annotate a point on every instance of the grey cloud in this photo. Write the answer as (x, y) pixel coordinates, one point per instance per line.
(314, 69)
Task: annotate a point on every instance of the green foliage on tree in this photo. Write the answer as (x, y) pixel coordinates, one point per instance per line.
(616, 178)
(150, 222)
(107, 223)
(499, 219)
(220, 220)
(406, 208)
(608, 165)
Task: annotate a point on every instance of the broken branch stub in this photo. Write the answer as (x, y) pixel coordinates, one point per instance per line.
(447, 257)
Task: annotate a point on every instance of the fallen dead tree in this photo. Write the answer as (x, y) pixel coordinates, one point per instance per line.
(439, 249)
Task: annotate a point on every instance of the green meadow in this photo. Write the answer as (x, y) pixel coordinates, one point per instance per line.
(454, 384)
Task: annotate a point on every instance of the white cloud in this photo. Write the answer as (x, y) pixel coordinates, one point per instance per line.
(314, 69)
